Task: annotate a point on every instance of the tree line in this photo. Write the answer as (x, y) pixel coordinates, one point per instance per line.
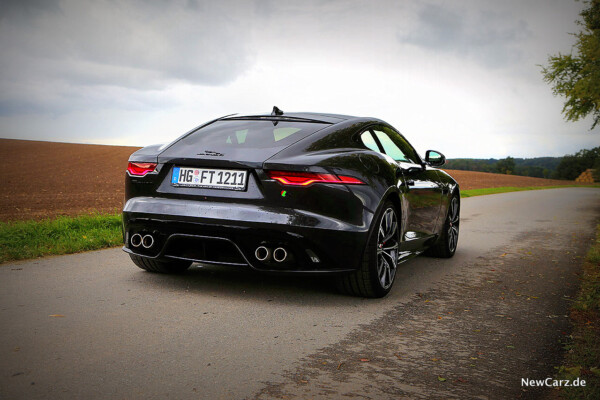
(575, 77)
(568, 167)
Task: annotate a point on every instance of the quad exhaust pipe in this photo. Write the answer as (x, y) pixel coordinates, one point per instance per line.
(136, 240)
(264, 254)
(145, 241)
(280, 254)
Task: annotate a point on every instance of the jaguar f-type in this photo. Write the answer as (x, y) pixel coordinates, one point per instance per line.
(290, 193)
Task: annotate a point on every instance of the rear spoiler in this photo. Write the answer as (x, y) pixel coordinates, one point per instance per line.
(275, 118)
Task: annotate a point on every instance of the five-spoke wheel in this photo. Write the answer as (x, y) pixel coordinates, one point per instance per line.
(376, 275)
(387, 248)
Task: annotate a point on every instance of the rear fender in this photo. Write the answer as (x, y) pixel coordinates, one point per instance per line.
(393, 195)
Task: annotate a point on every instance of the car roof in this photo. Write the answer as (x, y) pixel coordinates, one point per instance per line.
(324, 117)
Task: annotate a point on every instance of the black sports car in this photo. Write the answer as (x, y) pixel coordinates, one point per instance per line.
(303, 193)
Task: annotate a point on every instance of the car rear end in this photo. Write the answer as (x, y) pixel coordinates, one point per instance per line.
(209, 197)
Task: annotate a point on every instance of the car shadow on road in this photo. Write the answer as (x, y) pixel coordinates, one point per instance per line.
(243, 283)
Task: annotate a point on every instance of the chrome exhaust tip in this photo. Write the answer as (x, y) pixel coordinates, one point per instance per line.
(136, 240)
(280, 254)
(262, 253)
(147, 241)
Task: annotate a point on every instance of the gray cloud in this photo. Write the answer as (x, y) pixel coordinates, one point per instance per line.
(139, 45)
(24, 9)
(488, 37)
(134, 70)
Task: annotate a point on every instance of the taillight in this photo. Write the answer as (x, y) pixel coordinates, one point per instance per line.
(307, 178)
(140, 169)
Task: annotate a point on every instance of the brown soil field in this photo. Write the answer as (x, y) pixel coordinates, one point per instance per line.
(479, 180)
(47, 179)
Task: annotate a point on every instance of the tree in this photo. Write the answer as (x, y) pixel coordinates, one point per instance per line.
(572, 165)
(577, 76)
(506, 166)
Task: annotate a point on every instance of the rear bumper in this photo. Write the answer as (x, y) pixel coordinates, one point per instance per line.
(229, 233)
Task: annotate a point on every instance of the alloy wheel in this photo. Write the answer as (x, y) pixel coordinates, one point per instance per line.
(387, 248)
(453, 224)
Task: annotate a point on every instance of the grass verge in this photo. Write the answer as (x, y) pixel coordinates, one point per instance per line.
(583, 349)
(63, 235)
(481, 192)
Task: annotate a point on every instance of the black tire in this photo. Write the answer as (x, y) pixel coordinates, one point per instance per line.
(165, 267)
(377, 272)
(445, 245)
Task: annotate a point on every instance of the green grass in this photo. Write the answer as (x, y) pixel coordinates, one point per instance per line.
(583, 349)
(481, 192)
(63, 235)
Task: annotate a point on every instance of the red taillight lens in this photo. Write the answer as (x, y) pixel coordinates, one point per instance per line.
(140, 169)
(307, 178)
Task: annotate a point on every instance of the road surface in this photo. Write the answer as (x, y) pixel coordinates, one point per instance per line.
(92, 325)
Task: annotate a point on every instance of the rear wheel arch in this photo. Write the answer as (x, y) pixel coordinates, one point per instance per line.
(359, 283)
(375, 276)
(392, 196)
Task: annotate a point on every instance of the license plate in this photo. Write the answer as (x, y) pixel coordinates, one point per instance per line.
(232, 179)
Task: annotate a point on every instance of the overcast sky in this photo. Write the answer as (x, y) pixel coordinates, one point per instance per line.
(462, 77)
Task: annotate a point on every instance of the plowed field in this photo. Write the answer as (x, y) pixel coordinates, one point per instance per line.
(47, 179)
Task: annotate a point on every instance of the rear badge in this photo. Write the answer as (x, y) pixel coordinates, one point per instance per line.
(211, 153)
(313, 257)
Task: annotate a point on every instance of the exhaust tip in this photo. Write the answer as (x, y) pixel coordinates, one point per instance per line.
(147, 241)
(280, 254)
(262, 253)
(136, 240)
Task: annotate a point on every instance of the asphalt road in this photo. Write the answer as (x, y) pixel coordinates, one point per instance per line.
(92, 325)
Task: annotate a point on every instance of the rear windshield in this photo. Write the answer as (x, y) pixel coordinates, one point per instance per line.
(251, 134)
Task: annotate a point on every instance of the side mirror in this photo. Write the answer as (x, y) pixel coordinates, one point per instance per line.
(435, 158)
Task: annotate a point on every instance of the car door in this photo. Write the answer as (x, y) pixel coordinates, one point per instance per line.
(422, 193)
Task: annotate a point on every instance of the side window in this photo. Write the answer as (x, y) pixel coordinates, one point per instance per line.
(368, 141)
(409, 151)
(391, 149)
